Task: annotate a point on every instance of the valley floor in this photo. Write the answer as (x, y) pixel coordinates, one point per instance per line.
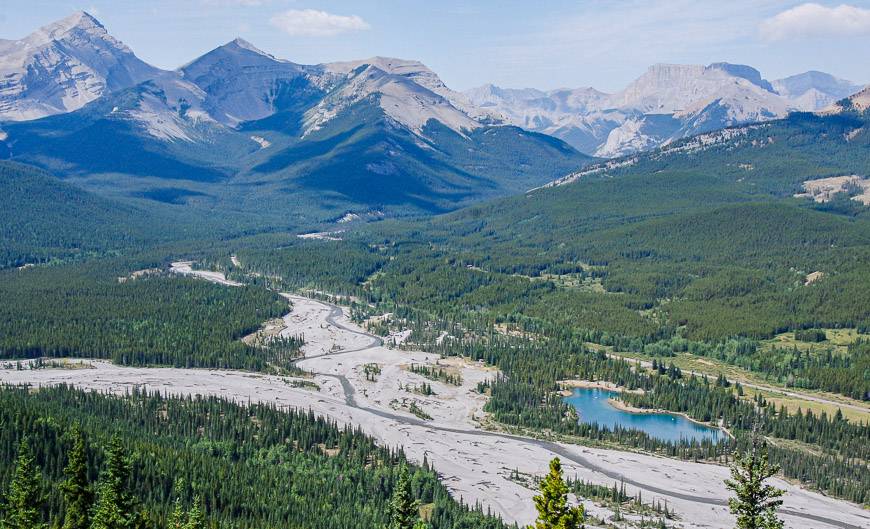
(362, 382)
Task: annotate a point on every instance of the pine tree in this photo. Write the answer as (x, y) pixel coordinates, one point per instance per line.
(176, 519)
(755, 503)
(552, 502)
(114, 507)
(77, 494)
(24, 497)
(196, 515)
(403, 508)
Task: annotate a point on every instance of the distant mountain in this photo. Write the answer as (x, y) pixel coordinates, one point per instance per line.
(861, 100)
(857, 103)
(666, 103)
(242, 83)
(63, 66)
(240, 129)
(575, 116)
(812, 91)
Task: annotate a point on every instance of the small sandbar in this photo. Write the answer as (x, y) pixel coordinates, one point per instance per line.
(569, 385)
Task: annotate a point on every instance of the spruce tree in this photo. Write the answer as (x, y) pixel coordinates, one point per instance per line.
(77, 494)
(403, 507)
(176, 519)
(196, 515)
(24, 497)
(552, 502)
(114, 507)
(755, 503)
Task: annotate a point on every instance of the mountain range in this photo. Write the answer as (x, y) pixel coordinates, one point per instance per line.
(666, 103)
(241, 130)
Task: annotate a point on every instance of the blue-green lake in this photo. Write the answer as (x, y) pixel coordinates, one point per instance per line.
(592, 407)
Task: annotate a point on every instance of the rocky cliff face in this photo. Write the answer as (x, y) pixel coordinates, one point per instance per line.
(62, 67)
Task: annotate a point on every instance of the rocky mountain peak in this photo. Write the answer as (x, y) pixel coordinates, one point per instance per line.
(744, 72)
(62, 66)
(80, 20)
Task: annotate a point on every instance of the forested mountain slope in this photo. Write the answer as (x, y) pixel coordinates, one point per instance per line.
(273, 468)
(44, 218)
(715, 211)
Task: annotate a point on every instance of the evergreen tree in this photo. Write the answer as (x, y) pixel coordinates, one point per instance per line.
(196, 515)
(176, 519)
(552, 502)
(114, 507)
(77, 494)
(755, 503)
(24, 497)
(403, 507)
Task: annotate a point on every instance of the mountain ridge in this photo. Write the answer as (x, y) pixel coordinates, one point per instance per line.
(238, 128)
(699, 99)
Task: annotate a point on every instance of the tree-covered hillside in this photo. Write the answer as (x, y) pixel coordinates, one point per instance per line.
(250, 466)
(700, 242)
(135, 313)
(43, 218)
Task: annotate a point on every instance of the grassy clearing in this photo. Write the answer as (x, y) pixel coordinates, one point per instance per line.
(713, 368)
(838, 340)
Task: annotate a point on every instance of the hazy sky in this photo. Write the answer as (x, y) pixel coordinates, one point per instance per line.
(515, 43)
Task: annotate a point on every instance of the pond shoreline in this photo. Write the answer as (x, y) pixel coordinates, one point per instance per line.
(620, 405)
(601, 403)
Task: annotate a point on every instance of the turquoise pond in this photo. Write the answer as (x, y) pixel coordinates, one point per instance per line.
(592, 407)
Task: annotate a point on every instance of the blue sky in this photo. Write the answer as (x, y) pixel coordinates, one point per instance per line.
(543, 44)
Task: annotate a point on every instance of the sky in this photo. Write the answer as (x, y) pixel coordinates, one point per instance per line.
(544, 44)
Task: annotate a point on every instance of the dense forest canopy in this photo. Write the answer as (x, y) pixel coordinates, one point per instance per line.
(251, 466)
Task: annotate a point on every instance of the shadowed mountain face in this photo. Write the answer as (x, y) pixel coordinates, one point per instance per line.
(239, 128)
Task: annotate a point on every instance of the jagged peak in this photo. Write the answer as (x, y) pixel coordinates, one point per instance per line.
(79, 20)
(239, 42)
(237, 50)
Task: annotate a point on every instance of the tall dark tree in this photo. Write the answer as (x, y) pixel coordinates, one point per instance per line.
(77, 493)
(552, 502)
(24, 497)
(114, 507)
(755, 503)
(404, 509)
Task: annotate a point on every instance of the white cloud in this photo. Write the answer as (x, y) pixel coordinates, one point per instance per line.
(314, 23)
(814, 20)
